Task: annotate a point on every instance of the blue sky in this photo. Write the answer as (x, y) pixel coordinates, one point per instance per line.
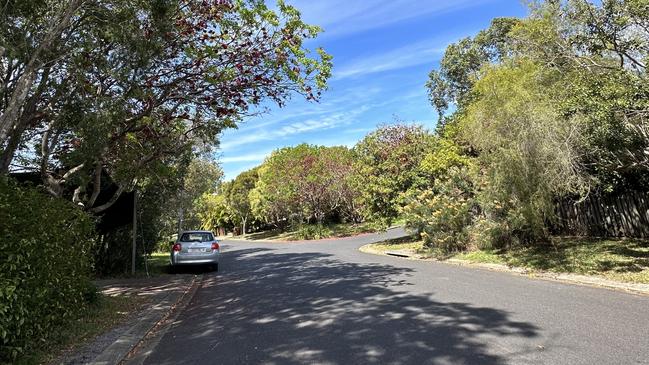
(383, 51)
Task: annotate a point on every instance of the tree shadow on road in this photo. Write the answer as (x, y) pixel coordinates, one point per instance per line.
(295, 308)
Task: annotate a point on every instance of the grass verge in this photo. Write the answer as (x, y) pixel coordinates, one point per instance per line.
(310, 232)
(158, 264)
(623, 260)
(410, 245)
(100, 317)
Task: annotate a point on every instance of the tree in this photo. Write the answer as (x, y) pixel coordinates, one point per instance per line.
(140, 86)
(530, 155)
(30, 42)
(601, 51)
(214, 212)
(307, 183)
(462, 61)
(201, 177)
(389, 165)
(237, 192)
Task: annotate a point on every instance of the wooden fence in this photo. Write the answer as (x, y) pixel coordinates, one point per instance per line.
(625, 215)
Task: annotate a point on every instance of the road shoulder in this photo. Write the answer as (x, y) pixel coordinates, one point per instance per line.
(584, 280)
(163, 293)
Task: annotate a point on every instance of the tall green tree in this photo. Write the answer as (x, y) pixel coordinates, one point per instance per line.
(461, 63)
(238, 196)
(389, 165)
(214, 212)
(307, 183)
(201, 177)
(602, 51)
(550, 106)
(140, 84)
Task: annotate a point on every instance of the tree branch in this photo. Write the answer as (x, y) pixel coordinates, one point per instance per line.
(96, 187)
(109, 203)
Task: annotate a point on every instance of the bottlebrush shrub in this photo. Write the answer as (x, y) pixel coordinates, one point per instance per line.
(44, 266)
(443, 213)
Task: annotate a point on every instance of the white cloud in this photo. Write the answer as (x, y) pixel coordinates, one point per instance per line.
(252, 157)
(239, 140)
(408, 56)
(339, 17)
(310, 125)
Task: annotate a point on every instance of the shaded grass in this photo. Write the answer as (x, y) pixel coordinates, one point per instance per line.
(625, 260)
(326, 231)
(100, 317)
(412, 244)
(158, 264)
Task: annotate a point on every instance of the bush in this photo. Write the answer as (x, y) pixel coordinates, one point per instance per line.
(442, 215)
(44, 270)
(112, 257)
(389, 161)
(313, 232)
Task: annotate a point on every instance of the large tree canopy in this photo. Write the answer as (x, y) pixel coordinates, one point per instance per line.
(549, 107)
(306, 183)
(127, 87)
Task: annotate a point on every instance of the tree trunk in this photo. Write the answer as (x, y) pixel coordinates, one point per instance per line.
(134, 233)
(243, 226)
(28, 118)
(10, 116)
(109, 203)
(10, 149)
(181, 212)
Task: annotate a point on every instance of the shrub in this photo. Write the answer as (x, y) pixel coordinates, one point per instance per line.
(442, 214)
(529, 153)
(44, 270)
(389, 161)
(313, 232)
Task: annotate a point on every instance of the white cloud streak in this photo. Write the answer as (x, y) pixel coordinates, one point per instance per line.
(252, 157)
(408, 56)
(342, 17)
(310, 125)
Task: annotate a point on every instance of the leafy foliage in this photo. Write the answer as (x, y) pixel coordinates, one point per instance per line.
(237, 194)
(307, 183)
(546, 107)
(389, 165)
(442, 214)
(462, 62)
(529, 153)
(214, 212)
(138, 86)
(45, 266)
(202, 177)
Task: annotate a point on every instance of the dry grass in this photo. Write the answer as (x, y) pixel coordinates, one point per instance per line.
(623, 260)
(98, 318)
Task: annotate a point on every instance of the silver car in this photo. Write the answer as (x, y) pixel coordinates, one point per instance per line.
(195, 248)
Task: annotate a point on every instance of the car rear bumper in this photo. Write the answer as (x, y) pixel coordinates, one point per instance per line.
(185, 259)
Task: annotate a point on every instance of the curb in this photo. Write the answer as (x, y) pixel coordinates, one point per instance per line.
(129, 341)
(575, 279)
(150, 341)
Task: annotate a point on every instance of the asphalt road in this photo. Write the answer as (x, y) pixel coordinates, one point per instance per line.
(328, 303)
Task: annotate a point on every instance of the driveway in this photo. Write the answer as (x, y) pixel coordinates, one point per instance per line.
(325, 302)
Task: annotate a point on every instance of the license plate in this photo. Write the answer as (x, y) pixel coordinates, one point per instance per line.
(192, 250)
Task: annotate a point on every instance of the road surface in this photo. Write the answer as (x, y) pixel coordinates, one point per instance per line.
(328, 303)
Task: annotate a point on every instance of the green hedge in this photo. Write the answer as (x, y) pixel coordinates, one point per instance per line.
(45, 250)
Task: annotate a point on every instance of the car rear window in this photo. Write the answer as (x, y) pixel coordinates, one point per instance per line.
(196, 237)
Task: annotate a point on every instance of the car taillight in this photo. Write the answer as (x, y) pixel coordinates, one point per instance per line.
(215, 246)
(177, 247)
